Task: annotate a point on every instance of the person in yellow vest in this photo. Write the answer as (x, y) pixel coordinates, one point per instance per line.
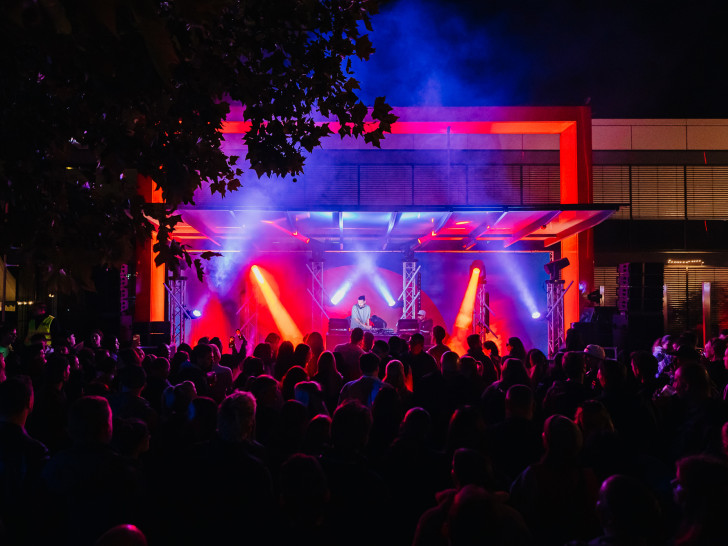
(8, 334)
(41, 323)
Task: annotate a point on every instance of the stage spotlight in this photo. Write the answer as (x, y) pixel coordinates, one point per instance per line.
(480, 267)
(595, 296)
(317, 252)
(191, 313)
(535, 315)
(553, 268)
(408, 250)
(340, 293)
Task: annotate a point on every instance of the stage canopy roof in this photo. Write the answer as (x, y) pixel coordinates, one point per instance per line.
(362, 229)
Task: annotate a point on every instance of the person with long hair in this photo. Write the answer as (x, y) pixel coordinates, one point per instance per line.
(494, 355)
(316, 341)
(274, 341)
(302, 357)
(395, 377)
(264, 352)
(516, 349)
(284, 359)
(293, 376)
(329, 378)
(537, 366)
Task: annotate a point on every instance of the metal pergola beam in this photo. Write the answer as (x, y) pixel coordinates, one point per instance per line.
(443, 221)
(201, 227)
(529, 228)
(577, 228)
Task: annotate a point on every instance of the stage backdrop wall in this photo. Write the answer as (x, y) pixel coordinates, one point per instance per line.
(515, 283)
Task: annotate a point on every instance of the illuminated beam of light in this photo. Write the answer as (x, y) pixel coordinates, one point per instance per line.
(464, 320)
(341, 292)
(368, 268)
(288, 329)
(382, 288)
(291, 233)
(517, 278)
(258, 275)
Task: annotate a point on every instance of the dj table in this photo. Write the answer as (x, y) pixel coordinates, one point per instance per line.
(337, 338)
(334, 338)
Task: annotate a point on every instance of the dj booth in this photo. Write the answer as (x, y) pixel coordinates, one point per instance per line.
(339, 332)
(337, 338)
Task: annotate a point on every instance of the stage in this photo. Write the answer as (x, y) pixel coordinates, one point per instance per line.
(510, 187)
(515, 283)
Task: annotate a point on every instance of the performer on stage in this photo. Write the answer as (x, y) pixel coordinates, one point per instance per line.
(425, 325)
(360, 314)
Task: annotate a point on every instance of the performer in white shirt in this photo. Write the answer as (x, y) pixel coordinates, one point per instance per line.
(360, 314)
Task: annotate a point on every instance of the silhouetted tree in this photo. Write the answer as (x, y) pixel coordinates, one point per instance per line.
(94, 93)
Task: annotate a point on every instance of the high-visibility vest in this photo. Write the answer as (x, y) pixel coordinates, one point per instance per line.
(43, 328)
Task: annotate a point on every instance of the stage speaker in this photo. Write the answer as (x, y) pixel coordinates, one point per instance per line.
(639, 287)
(638, 274)
(152, 334)
(639, 298)
(338, 325)
(408, 326)
(598, 329)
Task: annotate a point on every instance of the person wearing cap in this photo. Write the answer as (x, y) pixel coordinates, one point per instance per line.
(593, 356)
(425, 325)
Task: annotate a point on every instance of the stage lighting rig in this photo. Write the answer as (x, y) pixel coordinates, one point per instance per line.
(317, 251)
(595, 296)
(553, 268)
(408, 251)
(480, 266)
(192, 314)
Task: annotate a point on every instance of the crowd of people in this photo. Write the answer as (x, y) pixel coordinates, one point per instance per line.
(372, 442)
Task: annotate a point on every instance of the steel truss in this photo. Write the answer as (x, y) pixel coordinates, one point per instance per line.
(555, 315)
(248, 317)
(317, 293)
(410, 289)
(177, 309)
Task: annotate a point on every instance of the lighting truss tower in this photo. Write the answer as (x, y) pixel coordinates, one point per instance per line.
(248, 314)
(176, 305)
(555, 315)
(410, 289)
(481, 312)
(318, 312)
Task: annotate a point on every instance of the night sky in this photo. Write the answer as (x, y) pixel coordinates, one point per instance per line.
(625, 59)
